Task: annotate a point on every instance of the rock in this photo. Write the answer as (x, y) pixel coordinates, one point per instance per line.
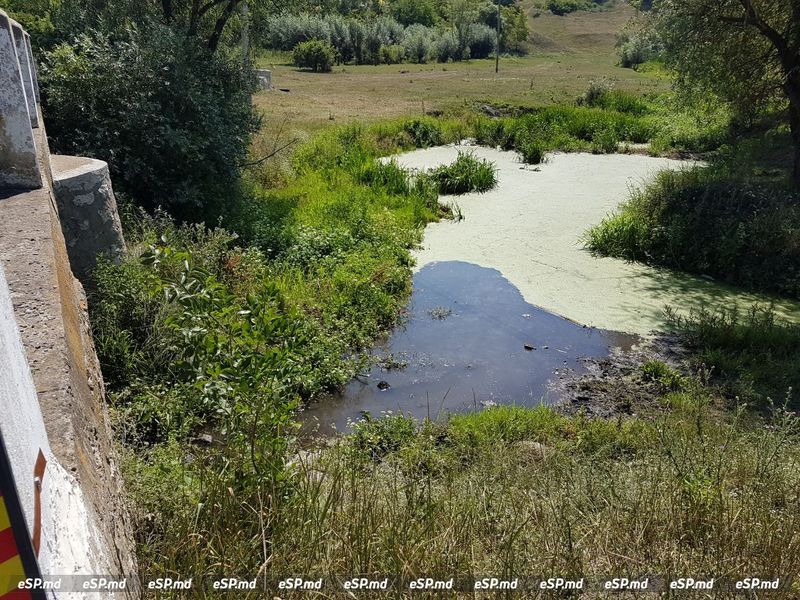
(533, 449)
(383, 385)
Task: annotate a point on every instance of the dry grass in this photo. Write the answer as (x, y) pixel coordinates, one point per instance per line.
(567, 53)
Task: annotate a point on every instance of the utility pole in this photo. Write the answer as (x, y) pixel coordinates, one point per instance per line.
(497, 42)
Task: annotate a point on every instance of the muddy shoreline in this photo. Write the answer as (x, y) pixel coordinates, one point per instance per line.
(615, 386)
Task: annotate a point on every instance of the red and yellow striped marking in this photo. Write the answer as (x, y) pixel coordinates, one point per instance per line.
(11, 569)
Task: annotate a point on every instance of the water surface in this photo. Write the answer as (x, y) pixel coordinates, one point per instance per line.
(470, 340)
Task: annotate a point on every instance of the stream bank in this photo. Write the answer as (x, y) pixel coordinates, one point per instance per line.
(508, 308)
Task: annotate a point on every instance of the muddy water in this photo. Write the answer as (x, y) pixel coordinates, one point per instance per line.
(470, 340)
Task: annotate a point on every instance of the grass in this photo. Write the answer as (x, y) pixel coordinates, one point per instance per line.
(753, 354)
(466, 174)
(255, 322)
(509, 491)
(566, 54)
(702, 221)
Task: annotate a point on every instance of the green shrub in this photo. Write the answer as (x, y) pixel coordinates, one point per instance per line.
(638, 46)
(466, 174)
(482, 41)
(564, 7)
(173, 122)
(286, 31)
(418, 42)
(661, 373)
(696, 221)
(447, 48)
(316, 55)
(392, 54)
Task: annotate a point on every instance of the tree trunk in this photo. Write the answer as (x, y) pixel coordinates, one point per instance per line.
(216, 35)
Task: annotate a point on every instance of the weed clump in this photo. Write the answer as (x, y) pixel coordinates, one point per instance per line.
(315, 55)
(697, 221)
(466, 174)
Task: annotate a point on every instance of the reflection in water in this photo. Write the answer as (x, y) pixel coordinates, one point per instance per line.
(470, 341)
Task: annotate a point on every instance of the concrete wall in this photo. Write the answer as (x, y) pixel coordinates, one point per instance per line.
(19, 161)
(88, 213)
(70, 543)
(52, 396)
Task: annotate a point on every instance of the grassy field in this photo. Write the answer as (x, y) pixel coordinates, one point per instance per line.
(567, 53)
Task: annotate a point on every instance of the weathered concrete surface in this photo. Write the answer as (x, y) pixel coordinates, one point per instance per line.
(27, 71)
(19, 167)
(88, 212)
(530, 226)
(69, 540)
(50, 309)
(264, 79)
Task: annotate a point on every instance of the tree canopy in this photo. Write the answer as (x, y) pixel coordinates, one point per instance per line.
(745, 51)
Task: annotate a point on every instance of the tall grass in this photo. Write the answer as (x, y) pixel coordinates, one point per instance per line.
(532, 492)
(754, 354)
(466, 174)
(566, 128)
(510, 491)
(699, 221)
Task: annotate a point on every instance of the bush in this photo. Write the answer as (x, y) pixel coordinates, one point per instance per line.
(446, 47)
(341, 38)
(172, 121)
(392, 54)
(418, 42)
(564, 7)
(466, 174)
(696, 221)
(482, 41)
(379, 32)
(286, 31)
(316, 55)
(638, 46)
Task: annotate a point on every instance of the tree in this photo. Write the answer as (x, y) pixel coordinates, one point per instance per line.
(317, 55)
(173, 123)
(409, 12)
(745, 51)
(462, 15)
